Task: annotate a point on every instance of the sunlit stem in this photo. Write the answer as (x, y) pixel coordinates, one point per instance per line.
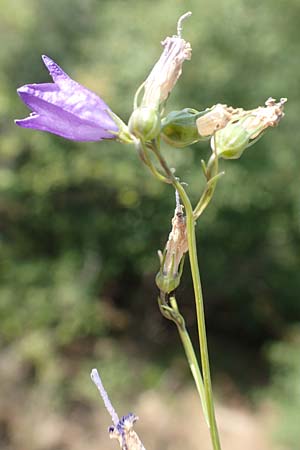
(212, 177)
(191, 358)
(143, 153)
(198, 299)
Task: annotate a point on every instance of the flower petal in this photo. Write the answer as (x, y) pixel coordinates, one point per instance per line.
(71, 110)
(44, 98)
(76, 100)
(64, 124)
(57, 74)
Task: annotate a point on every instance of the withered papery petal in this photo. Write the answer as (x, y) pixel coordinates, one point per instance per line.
(166, 71)
(66, 108)
(265, 116)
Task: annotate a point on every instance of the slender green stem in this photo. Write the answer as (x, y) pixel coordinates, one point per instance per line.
(198, 300)
(145, 157)
(212, 176)
(194, 367)
(201, 322)
(192, 360)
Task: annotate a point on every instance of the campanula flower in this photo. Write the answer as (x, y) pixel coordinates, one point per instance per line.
(66, 108)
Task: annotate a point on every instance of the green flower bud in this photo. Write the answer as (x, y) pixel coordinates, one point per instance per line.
(231, 141)
(179, 128)
(145, 123)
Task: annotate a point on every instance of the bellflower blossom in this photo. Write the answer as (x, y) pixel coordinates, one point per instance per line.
(66, 108)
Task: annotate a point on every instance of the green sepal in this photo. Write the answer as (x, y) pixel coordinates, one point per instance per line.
(123, 134)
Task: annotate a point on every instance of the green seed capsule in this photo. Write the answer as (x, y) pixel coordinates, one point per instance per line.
(231, 141)
(145, 123)
(179, 128)
(167, 283)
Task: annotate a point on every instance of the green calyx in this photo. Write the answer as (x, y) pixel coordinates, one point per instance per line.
(179, 128)
(168, 281)
(145, 123)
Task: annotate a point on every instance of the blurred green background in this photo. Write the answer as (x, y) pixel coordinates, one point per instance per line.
(80, 224)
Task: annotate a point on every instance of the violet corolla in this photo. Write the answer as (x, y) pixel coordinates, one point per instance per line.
(67, 109)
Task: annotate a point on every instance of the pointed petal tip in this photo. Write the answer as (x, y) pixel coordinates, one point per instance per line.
(22, 90)
(55, 71)
(20, 123)
(47, 60)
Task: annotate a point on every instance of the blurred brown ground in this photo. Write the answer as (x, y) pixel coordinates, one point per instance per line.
(165, 423)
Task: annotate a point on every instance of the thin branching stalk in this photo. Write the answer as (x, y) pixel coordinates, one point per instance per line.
(212, 176)
(198, 298)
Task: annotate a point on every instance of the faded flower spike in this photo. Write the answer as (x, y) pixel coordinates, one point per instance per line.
(167, 70)
(66, 108)
(231, 141)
